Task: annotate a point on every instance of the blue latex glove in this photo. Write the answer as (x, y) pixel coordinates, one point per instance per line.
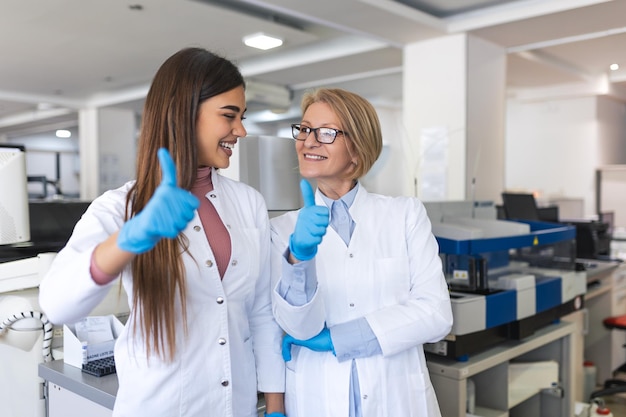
(276, 414)
(310, 227)
(320, 343)
(167, 213)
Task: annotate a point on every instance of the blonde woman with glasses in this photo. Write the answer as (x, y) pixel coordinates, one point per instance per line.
(358, 282)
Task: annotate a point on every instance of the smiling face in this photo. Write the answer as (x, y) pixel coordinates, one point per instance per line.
(328, 164)
(219, 125)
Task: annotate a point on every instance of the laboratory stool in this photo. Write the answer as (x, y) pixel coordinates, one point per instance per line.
(613, 385)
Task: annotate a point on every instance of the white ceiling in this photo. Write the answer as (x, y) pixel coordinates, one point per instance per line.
(57, 56)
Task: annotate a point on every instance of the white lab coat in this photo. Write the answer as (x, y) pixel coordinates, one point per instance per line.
(232, 347)
(391, 274)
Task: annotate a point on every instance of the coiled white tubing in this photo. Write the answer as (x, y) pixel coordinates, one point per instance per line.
(47, 328)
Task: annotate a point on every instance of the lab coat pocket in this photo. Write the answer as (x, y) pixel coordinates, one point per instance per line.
(391, 280)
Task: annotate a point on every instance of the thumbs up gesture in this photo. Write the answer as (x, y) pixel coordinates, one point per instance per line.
(310, 227)
(167, 213)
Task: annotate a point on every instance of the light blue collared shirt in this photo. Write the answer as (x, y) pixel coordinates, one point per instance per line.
(353, 339)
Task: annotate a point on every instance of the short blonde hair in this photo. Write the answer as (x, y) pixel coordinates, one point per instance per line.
(358, 119)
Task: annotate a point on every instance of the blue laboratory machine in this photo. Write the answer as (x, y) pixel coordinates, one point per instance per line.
(506, 278)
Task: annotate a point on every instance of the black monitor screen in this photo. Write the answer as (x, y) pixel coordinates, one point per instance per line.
(520, 206)
(51, 225)
(53, 222)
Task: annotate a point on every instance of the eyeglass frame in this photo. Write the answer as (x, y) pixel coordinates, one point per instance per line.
(300, 128)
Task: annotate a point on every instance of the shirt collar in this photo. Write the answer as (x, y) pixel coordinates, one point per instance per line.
(347, 199)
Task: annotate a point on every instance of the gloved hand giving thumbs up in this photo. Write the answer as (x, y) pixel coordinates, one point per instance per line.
(310, 227)
(167, 213)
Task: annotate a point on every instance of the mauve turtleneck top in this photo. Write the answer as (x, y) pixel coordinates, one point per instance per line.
(216, 232)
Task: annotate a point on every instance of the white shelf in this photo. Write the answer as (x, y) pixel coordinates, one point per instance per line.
(496, 394)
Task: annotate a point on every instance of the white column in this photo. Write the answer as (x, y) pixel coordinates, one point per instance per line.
(454, 115)
(108, 147)
(117, 145)
(88, 148)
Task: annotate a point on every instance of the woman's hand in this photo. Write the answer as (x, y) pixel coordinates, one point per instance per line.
(310, 227)
(165, 216)
(320, 343)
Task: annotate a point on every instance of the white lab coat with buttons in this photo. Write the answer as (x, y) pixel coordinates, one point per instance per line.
(232, 347)
(391, 274)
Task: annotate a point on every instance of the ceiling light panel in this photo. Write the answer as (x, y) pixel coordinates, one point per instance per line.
(262, 41)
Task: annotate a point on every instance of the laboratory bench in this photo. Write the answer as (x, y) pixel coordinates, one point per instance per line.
(70, 392)
(597, 270)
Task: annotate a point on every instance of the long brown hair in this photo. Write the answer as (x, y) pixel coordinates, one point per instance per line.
(181, 84)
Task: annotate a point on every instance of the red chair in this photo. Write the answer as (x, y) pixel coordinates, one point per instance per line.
(613, 385)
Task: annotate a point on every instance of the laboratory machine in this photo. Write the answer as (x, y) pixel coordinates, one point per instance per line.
(507, 279)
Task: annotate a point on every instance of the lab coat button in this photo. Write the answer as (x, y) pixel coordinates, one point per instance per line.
(365, 397)
(351, 255)
(209, 263)
(197, 228)
(224, 382)
(351, 304)
(221, 341)
(234, 262)
(220, 300)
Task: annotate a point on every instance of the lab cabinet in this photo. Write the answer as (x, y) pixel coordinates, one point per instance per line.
(64, 403)
(499, 395)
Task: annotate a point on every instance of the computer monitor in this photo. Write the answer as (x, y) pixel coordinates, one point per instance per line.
(520, 206)
(52, 222)
(14, 217)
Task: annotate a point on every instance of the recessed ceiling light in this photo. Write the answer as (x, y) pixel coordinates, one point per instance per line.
(62, 133)
(262, 41)
(614, 67)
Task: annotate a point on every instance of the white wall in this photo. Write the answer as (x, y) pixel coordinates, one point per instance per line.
(387, 174)
(117, 146)
(553, 147)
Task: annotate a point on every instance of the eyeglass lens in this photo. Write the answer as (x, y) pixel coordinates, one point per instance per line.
(322, 134)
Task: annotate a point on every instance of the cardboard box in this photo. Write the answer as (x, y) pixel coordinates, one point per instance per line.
(536, 375)
(528, 378)
(73, 347)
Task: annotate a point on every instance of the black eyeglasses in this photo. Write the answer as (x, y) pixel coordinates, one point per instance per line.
(325, 135)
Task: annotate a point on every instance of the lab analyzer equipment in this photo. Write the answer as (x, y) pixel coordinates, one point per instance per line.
(506, 278)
